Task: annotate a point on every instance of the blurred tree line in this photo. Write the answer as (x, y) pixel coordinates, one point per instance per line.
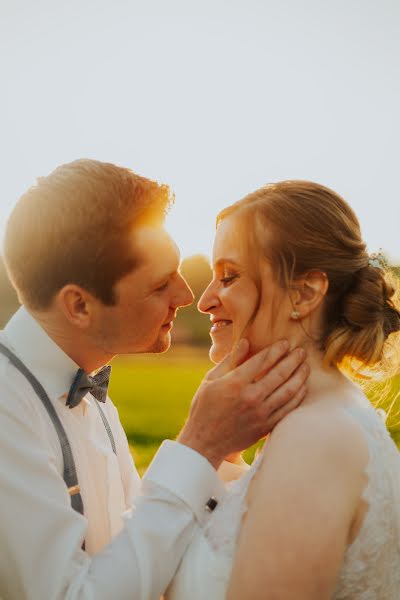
(191, 326)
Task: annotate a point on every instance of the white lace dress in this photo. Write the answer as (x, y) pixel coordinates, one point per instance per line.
(371, 566)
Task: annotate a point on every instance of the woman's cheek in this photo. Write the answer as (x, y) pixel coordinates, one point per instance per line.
(268, 327)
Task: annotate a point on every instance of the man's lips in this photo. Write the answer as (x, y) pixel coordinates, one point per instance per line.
(169, 324)
(219, 325)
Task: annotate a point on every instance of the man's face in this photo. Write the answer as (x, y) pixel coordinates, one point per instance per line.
(147, 299)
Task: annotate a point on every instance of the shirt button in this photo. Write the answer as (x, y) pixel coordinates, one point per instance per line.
(211, 504)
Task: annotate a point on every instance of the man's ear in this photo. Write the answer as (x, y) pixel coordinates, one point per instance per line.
(307, 294)
(76, 305)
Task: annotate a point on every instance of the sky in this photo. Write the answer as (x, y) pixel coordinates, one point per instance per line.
(213, 97)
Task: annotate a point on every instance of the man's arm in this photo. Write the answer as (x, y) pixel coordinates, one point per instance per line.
(41, 535)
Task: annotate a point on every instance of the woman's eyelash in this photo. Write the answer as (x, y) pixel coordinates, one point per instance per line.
(228, 279)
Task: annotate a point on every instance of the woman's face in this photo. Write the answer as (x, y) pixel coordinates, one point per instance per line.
(233, 300)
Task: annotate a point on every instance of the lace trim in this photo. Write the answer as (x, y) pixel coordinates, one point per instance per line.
(370, 568)
(223, 526)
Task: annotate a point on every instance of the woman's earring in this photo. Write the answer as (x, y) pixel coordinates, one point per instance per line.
(295, 315)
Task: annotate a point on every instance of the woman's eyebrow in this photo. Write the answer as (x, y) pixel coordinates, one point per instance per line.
(222, 261)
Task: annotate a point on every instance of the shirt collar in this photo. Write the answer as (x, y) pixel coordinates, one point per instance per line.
(54, 369)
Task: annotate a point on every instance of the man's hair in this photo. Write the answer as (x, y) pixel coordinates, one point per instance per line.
(75, 227)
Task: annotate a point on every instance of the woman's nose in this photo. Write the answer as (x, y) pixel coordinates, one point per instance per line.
(209, 299)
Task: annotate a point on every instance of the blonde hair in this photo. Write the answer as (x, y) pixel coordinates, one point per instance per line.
(75, 226)
(301, 226)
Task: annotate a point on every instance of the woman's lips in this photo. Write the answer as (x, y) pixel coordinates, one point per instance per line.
(220, 325)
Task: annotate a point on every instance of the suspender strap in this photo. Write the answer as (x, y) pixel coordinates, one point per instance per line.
(70, 476)
(107, 426)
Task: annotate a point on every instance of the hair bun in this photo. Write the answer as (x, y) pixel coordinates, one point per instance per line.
(370, 314)
(392, 319)
(365, 301)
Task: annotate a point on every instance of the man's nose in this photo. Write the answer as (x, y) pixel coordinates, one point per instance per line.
(188, 296)
(185, 296)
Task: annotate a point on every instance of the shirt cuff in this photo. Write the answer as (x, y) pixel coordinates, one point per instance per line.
(188, 475)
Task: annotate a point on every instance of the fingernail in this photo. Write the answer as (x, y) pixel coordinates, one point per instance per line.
(301, 353)
(285, 345)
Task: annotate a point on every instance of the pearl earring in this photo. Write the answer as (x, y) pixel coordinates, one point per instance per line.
(295, 314)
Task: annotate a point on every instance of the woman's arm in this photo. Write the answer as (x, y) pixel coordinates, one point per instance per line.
(301, 506)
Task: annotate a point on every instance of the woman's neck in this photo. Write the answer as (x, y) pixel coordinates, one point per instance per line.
(323, 379)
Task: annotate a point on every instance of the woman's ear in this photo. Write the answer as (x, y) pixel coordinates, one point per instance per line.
(308, 293)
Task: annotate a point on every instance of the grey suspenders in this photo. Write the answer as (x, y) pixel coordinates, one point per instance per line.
(69, 475)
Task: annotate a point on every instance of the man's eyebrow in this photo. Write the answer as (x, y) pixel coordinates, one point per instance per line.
(168, 275)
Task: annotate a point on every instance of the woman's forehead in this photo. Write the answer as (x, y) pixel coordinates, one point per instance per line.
(227, 243)
(235, 246)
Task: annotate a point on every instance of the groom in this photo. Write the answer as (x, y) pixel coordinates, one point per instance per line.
(97, 275)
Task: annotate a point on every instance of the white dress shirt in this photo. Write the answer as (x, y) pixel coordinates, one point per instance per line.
(130, 554)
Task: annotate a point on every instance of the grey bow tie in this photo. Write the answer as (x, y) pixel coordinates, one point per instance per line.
(83, 384)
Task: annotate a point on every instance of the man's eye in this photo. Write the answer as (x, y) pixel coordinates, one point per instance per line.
(228, 279)
(162, 287)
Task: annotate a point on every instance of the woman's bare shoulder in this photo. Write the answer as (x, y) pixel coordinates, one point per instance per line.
(322, 427)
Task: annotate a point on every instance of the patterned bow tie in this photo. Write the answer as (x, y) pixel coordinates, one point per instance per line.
(83, 384)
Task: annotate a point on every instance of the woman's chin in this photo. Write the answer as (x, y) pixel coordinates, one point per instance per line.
(218, 352)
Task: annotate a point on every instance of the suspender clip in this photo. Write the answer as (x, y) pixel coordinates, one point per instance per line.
(75, 489)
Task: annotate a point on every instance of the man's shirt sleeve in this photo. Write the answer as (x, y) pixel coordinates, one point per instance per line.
(41, 535)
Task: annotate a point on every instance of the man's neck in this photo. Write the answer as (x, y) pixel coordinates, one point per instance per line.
(75, 345)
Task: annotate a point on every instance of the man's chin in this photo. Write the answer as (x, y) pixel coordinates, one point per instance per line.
(161, 345)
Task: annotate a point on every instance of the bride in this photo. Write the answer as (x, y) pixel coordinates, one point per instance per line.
(317, 515)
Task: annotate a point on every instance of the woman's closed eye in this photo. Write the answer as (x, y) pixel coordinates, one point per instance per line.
(228, 279)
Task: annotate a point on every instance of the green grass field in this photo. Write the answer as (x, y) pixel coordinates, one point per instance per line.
(153, 394)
